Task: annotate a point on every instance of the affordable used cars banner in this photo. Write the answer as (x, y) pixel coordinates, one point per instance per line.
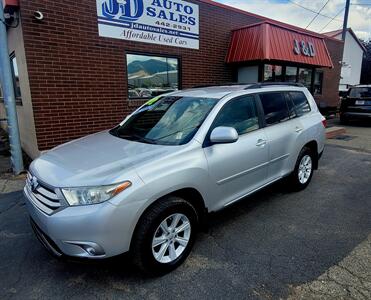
(163, 22)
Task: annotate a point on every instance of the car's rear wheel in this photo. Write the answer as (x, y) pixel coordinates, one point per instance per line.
(164, 236)
(303, 171)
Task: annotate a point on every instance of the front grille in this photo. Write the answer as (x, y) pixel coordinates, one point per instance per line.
(43, 196)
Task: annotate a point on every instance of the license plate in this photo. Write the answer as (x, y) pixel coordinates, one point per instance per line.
(360, 102)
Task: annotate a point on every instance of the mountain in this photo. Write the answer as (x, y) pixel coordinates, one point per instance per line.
(149, 67)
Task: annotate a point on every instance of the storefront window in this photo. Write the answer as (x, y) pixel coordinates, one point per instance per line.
(305, 77)
(268, 73)
(318, 79)
(273, 73)
(150, 76)
(278, 75)
(291, 73)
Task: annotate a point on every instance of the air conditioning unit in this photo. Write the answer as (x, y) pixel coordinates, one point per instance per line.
(10, 6)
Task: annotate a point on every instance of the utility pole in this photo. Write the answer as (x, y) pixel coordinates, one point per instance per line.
(345, 23)
(9, 98)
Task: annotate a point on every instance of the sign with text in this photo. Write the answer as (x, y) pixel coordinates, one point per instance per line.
(304, 48)
(164, 22)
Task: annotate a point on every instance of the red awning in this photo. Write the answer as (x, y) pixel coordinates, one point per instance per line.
(270, 41)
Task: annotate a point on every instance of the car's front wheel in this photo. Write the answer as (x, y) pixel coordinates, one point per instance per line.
(303, 171)
(164, 236)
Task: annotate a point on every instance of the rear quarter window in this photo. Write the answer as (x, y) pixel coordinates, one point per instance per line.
(300, 102)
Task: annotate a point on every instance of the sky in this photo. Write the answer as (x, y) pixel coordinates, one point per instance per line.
(289, 12)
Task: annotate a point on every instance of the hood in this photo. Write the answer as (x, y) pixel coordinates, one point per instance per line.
(96, 159)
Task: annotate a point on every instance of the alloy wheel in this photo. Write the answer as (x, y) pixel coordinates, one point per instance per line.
(305, 169)
(171, 238)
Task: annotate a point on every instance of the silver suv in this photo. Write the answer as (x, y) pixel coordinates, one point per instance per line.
(146, 185)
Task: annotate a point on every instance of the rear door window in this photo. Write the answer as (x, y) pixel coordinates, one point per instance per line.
(274, 107)
(290, 106)
(301, 103)
(240, 113)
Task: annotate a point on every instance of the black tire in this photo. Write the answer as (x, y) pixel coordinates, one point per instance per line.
(295, 183)
(148, 224)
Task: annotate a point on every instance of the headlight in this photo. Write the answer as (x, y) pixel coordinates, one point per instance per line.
(93, 195)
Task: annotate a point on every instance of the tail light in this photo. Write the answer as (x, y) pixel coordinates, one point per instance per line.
(324, 122)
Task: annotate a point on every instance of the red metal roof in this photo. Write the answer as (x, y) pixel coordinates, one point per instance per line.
(270, 41)
(244, 12)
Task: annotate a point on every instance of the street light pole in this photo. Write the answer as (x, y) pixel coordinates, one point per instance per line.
(345, 22)
(9, 98)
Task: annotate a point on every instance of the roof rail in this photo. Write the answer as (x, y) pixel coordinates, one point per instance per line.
(217, 84)
(264, 84)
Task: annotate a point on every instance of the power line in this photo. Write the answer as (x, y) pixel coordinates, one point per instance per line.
(340, 11)
(313, 11)
(360, 4)
(367, 3)
(315, 17)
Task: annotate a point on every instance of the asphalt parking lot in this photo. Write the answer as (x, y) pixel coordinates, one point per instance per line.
(275, 244)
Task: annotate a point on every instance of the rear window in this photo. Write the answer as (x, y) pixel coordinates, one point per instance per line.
(275, 107)
(300, 102)
(360, 92)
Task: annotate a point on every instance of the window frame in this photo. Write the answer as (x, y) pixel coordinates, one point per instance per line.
(18, 99)
(207, 142)
(318, 71)
(153, 54)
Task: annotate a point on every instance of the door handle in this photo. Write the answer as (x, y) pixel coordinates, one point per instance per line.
(261, 142)
(298, 129)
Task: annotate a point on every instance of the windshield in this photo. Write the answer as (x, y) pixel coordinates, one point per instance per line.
(168, 120)
(360, 92)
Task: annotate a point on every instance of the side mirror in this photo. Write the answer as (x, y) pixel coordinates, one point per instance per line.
(223, 135)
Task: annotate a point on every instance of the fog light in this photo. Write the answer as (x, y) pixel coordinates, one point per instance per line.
(90, 250)
(93, 249)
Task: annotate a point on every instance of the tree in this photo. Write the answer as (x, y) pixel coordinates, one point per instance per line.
(366, 64)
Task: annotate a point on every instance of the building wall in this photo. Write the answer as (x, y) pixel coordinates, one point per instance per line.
(24, 111)
(78, 80)
(352, 57)
(331, 77)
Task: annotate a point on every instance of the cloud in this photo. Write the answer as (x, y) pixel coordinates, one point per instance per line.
(286, 11)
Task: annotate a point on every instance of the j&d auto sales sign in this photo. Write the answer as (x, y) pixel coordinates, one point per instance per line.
(164, 22)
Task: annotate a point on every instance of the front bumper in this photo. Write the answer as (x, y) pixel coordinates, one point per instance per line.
(92, 231)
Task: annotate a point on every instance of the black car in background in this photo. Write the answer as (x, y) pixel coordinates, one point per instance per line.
(356, 104)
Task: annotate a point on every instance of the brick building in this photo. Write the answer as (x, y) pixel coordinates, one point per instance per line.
(80, 68)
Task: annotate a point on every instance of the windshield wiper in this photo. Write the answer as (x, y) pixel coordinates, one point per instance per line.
(144, 139)
(135, 137)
